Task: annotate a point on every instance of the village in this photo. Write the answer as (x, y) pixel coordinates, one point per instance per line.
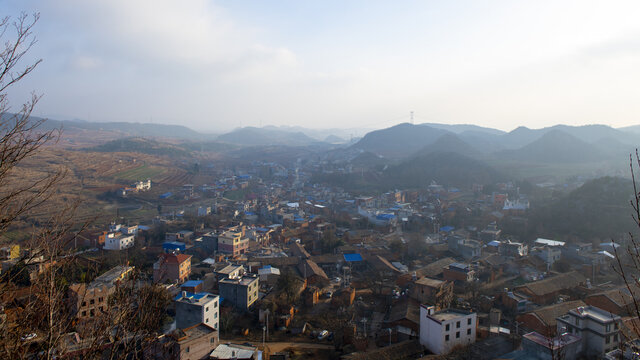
(292, 269)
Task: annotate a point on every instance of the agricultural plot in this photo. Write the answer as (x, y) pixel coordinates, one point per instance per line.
(176, 177)
(141, 173)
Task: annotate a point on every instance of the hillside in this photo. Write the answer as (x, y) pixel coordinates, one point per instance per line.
(599, 208)
(555, 146)
(449, 143)
(399, 141)
(253, 136)
(140, 145)
(450, 169)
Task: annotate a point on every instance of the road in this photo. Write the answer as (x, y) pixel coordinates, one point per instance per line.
(276, 346)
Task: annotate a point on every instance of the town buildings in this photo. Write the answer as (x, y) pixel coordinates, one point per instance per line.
(197, 308)
(174, 268)
(441, 331)
(241, 291)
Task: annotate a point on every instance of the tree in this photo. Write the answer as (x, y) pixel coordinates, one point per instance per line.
(41, 306)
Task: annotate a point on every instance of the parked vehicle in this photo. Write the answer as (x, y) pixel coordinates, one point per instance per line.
(323, 334)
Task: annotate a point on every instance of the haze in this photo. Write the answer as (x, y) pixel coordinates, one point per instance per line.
(214, 65)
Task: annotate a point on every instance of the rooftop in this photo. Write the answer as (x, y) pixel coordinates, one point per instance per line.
(199, 298)
(228, 351)
(449, 314)
(594, 313)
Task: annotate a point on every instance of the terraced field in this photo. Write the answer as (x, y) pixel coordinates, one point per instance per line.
(142, 172)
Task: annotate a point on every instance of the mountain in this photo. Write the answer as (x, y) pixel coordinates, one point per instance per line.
(254, 136)
(446, 168)
(399, 141)
(140, 145)
(600, 208)
(556, 146)
(333, 139)
(123, 128)
(461, 128)
(587, 133)
(449, 143)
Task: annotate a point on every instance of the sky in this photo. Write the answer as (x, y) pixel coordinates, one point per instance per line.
(217, 65)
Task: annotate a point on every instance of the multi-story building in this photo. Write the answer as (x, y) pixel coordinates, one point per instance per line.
(175, 268)
(117, 241)
(459, 272)
(232, 242)
(242, 292)
(599, 329)
(193, 309)
(433, 291)
(467, 248)
(441, 331)
(87, 301)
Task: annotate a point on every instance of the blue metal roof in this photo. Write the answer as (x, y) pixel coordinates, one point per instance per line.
(352, 257)
(190, 295)
(446, 228)
(192, 283)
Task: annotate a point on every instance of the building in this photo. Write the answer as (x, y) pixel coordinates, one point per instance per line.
(543, 320)
(513, 249)
(235, 352)
(433, 291)
(441, 331)
(599, 329)
(88, 301)
(10, 252)
(544, 292)
(117, 241)
(233, 243)
(174, 268)
(242, 291)
(459, 272)
(196, 308)
(230, 271)
(466, 248)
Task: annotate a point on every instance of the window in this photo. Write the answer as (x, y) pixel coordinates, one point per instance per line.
(607, 339)
(187, 349)
(206, 321)
(100, 299)
(468, 331)
(92, 301)
(215, 304)
(84, 303)
(615, 337)
(446, 328)
(84, 313)
(608, 328)
(215, 316)
(206, 309)
(457, 334)
(458, 325)
(615, 326)
(212, 340)
(446, 338)
(469, 321)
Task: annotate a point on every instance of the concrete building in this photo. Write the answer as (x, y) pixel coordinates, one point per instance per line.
(193, 309)
(175, 268)
(87, 301)
(459, 272)
(599, 329)
(441, 331)
(433, 291)
(233, 243)
(242, 292)
(117, 241)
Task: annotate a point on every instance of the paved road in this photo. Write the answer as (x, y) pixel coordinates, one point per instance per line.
(280, 346)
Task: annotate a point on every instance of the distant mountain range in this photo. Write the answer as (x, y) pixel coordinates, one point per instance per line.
(557, 144)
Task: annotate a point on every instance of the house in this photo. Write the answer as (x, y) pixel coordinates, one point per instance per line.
(117, 241)
(491, 233)
(616, 301)
(599, 330)
(242, 291)
(193, 343)
(233, 242)
(312, 272)
(538, 346)
(544, 292)
(197, 308)
(441, 331)
(173, 246)
(433, 291)
(543, 320)
(465, 248)
(230, 271)
(459, 272)
(235, 352)
(87, 301)
(404, 317)
(174, 268)
(10, 252)
(513, 249)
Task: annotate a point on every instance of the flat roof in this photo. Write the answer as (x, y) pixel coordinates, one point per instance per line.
(449, 314)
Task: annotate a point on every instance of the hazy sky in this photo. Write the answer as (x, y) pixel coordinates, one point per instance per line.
(216, 65)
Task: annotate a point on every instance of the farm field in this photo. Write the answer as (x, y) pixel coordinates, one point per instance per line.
(143, 172)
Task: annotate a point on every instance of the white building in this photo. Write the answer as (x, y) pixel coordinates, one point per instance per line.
(193, 309)
(599, 329)
(440, 331)
(118, 241)
(143, 185)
